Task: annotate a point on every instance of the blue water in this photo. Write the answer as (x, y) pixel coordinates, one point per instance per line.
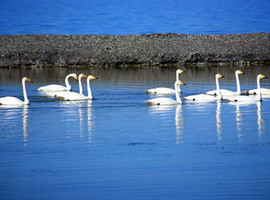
(133, 17)
(117, 147)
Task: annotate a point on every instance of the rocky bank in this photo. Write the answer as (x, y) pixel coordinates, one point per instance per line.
(100, 50)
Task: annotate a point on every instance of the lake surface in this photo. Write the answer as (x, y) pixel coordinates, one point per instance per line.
(133, 17)
(117, 147)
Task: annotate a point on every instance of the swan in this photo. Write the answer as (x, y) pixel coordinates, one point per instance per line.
(256, 98)
(264, 91)
(57, 88)
(89, 91)
(206, 97)
(66, 95)
(74, 96)
(163, 90)
(229, 92)
(15, 101)
(168, 101)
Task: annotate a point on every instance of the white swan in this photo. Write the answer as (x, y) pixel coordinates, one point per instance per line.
(168, 101)
(257, 97)
(163, 90)
(89, 91)
(205, 97)
(15, 101)
(264, 91)
(229, 92)
(70, 96)
(74, 96)
(57, 88)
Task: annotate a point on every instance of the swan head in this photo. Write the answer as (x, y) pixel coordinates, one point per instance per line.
(91, 77)
(261, 76)
(219, 76)
(82, 76)
(180, 71)
(180, 83)
(27, 79)
(239, 72)
(74, 76)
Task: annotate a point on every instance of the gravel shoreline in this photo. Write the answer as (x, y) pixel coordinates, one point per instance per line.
(146, 49)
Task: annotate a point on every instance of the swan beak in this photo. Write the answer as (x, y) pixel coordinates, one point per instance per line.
(220, 76)
(181, 83)
(29, 80)
(93, 77)
(242, 72)
(76, 78)
(181, 71)
(263, 76)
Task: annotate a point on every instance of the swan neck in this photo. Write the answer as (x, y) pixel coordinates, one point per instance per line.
(217, 84)
(259, 94)
(26, 101)
(219, 95)
(177, 76)
(177, 79)
(238, 91)
(89, 89)
(177, 93)
(80, 85)
(67, 82)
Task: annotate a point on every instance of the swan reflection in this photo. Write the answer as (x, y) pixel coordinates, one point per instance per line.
(16, 117)
(86, 117)
(80, 112)
(25, 128)
(219, 121)
(240, 119)
(81, 116)
(165, 112)
(90, 120)
(260, 121)
(179, 124)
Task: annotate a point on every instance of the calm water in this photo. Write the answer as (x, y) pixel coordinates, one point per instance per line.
(117, 147)
(133, 17)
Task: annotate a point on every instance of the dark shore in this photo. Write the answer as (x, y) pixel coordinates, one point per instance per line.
(147, 49)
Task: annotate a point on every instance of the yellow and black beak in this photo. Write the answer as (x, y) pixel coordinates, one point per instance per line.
(220, 76)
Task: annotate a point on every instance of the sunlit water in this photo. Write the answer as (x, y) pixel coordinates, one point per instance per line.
(117, 147)
(133, 17)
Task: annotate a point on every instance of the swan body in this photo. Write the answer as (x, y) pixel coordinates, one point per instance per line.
(9, 100)
(225, 92)
(206, 97)
(57, 88)
(168, 101)
(161, 90)
(264, 91)
(201, 98)
(73, 96)
(256, 98)
(164, 90)
(162, 101)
